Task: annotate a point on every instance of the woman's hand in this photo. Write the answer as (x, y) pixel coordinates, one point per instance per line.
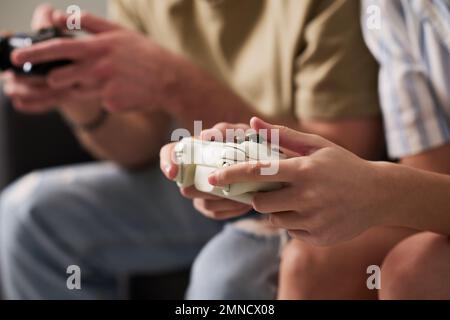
(330, 194)
(209, 205)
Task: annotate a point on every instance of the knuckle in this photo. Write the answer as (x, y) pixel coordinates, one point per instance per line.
(184, 192)
(102, 70)
(221, 126)
(307, 165)
(222, 176)
(253, 169)
(274, 220)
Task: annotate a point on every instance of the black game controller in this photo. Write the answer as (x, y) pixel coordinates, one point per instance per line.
(22, 40)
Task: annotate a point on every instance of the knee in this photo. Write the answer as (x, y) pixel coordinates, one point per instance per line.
(412, 267)
(16, 202)
(23, 207)
(301, 272)
(299, 260)
(236, 264)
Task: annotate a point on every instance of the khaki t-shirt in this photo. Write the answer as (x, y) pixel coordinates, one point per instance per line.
(301, 58)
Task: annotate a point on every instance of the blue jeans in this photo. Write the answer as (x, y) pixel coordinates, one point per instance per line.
(112, 223)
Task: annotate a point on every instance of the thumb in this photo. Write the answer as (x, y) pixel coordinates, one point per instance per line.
(302, 143)
(88, 21)
(167, 165)
(42, 17)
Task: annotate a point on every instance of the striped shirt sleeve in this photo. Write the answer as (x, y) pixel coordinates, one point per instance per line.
(412, 90)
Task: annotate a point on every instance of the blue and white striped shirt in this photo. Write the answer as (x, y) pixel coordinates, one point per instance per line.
(412, 45)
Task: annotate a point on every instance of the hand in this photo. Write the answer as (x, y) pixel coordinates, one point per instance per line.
(209, 205)
(32, 94)
(329, 193)
(123, 68)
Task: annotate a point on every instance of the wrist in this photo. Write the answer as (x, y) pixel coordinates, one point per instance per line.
(173, 79)
(392, 183)
(86, 118)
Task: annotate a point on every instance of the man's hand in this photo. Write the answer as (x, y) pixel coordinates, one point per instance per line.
(330, 194)
(209, 205)
(34, 94)
(123, 68)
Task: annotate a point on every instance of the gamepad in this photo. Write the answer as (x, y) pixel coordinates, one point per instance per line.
(22, 40)
(197, 159)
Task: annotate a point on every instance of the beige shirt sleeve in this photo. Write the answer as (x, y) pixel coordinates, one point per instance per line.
(122, 12)
(336, 76)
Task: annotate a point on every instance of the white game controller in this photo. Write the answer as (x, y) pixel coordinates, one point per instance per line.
(197, 159)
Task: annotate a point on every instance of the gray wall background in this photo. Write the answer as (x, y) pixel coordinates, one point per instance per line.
(15, 15)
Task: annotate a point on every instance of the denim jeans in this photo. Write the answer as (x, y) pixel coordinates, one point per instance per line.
(112, 223)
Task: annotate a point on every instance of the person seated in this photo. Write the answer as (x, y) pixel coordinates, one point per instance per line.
(346, 214)
(164, 64)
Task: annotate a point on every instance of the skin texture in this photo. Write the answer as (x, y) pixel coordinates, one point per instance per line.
(346, 216)
(330, 205)
(143, 86)
(104, 75)
(221, 209)
(411, 267)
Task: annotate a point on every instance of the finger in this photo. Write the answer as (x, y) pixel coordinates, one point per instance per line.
(219, 215)
(89, 22)
(35, 106)
(53, 50)
(168, 167)
(11, 77)
(28, 92)
(289, 153)
(223, 205)
(192, 193)
(300, 235)
(59, 19)
(275, 201)
(299, 142)
(42, 17)
(224, 131)
(289, 220)
(6, 75)
(286, 171)
(95, 24)
(73, 74)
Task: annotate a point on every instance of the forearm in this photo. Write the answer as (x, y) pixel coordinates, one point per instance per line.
(197, 95)
(132, 139)
(414, 198)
